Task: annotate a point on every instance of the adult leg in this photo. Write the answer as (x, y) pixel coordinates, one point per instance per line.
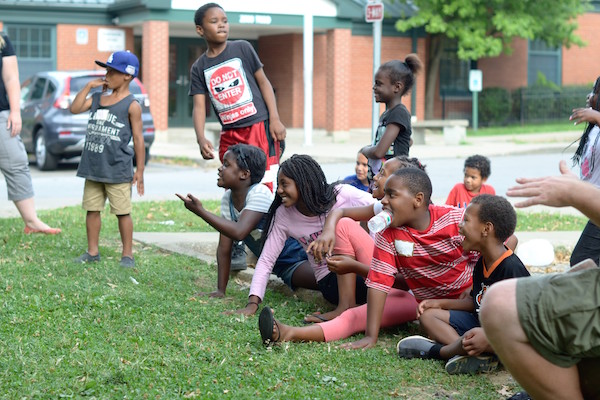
(126, 231)
(15, 168)
(26, 208)
(93, 224)
(588, 245)
(540, 378)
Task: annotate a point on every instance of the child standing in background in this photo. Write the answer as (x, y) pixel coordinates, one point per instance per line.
(232, 76)
(477, 170)
(393, 80)
(106, 162)
(359, 180)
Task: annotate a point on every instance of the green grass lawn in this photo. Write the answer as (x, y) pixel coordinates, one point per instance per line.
(101, 331)
(526, 129)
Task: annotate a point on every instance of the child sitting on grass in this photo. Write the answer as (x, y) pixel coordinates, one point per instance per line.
(477, 170)
(453, 324)
(359, 180)
(243, 208)
(421, 250)
(302, 202)
(400, 306)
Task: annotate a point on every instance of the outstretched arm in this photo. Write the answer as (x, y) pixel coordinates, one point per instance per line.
(585, 115)
(559, 191)
(234, 230)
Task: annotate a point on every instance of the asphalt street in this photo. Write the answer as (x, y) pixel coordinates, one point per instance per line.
(61, 188)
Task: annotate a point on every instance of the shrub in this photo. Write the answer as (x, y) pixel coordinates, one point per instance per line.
(494, 106)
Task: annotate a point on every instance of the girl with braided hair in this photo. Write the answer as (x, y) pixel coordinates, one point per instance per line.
(302, 201)
(587, 156)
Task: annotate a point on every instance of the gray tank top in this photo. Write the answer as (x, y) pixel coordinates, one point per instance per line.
(106, 155)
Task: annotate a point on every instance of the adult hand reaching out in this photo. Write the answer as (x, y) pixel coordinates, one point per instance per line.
(552, 191)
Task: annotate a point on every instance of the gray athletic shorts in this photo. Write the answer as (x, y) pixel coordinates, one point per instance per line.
(14, 164)
(560, 314)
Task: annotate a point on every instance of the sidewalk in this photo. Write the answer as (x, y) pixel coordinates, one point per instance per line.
(181, 142)
(203, 246)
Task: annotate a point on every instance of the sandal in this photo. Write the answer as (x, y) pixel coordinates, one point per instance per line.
(316, 315)
(265, 325)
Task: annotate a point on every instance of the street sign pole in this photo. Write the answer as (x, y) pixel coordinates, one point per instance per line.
(475, 86)
(374, 14)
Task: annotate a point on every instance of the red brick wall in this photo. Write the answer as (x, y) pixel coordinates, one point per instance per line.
(320, 98)
(73, 56)
(339, 79)
(281, 56)
(507, 71)
(580, 64)
(361, 95)
(155, 65)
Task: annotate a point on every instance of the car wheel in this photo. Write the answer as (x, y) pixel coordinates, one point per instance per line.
(44, 160)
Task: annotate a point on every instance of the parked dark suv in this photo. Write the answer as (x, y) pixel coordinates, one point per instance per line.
(50, 131)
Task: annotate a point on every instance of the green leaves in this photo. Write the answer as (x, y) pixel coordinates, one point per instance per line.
(484, 28)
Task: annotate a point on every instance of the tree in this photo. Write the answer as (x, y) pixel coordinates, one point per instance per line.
(485, 28)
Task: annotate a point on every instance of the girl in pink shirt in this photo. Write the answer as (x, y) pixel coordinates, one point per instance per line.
(302, 202)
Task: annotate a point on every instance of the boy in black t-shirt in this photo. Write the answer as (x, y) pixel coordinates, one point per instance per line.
(453, 324)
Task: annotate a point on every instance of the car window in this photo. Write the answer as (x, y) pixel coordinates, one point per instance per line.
(37, 92)
(79, 82)
(134, 88)
(50, 90)
(25, 88)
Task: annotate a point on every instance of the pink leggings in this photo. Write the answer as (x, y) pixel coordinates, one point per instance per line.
(400, 307)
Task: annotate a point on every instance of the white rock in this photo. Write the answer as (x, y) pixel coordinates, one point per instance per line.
(536, 253)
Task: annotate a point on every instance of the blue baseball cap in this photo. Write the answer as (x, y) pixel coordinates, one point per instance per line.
(122, 61)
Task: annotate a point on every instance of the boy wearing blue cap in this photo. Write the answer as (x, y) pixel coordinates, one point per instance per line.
(106, 161)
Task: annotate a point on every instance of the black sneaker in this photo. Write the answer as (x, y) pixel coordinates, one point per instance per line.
(472, 364)
(127, 262)
(520, 396)
(238, 256)
(414, 347)
(86, 258)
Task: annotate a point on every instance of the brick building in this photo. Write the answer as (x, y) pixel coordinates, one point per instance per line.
(71, 34)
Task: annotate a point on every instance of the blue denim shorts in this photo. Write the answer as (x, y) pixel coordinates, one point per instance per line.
(463, 321)
(290, 258)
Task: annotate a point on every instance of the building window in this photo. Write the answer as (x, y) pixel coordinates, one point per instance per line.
(31, 41)
(543, 59)
(454, 73)
(34, 47)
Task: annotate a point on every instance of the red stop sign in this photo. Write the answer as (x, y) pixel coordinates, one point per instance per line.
(374, 12)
